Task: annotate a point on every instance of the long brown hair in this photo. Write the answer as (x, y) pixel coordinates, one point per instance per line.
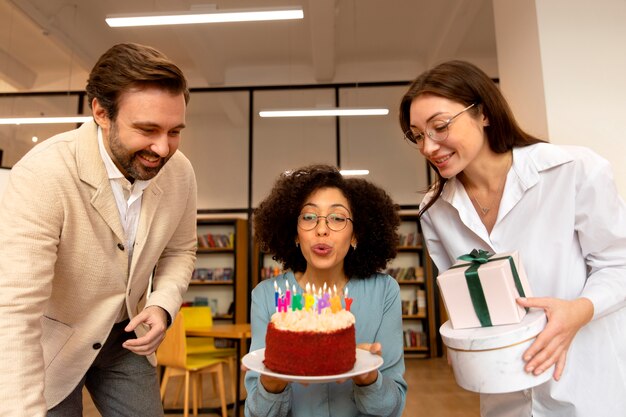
(465, 83)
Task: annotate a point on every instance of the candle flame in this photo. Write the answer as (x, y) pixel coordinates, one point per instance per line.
(275, 286)
(345, 292)
(293, 288)
(279, 292)
(335, 289)
(307, 287)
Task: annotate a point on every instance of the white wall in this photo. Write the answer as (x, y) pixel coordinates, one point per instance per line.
(562, 68)
(585, 75)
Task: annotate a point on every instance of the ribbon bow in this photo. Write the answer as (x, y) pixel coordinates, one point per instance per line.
(476, 256)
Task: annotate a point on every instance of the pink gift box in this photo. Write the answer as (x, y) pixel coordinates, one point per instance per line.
(499, 290)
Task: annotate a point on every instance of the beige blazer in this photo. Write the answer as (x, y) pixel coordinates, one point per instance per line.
(64, 273)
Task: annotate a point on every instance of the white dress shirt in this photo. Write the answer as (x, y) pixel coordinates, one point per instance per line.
(561, 210)
(128, 200)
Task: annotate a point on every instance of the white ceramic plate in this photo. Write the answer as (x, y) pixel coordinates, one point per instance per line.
(365, 362)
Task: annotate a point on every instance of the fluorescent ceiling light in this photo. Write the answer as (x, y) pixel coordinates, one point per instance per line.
(354, 172)
(324, 112)
(43, 120)
(217, 16)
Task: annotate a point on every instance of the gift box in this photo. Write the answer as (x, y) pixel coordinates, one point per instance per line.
(480, 290)
(488, 360)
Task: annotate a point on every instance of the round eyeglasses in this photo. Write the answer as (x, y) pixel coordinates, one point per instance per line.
(334, 221)
(436, 130)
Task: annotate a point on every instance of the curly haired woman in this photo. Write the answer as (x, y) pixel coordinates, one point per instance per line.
(324, 228)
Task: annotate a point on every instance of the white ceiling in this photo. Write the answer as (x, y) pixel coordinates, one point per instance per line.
(50, 45)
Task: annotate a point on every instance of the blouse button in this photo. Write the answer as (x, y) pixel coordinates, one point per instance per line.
(97, 346)
(120, 246)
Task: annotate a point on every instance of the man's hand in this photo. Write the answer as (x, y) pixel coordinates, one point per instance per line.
(155, 319)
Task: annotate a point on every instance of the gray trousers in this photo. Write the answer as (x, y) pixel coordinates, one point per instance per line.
(121, 383)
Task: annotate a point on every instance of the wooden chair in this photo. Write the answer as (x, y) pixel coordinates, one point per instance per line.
(201, 316)
(174, 356)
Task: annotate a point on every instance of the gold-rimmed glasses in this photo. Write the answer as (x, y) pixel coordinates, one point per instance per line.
(436, 129)
(334, 221)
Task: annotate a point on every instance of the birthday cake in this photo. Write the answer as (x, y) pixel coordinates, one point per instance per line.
(307, 342)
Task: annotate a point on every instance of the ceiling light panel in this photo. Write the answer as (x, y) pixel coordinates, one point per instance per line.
(219, 16)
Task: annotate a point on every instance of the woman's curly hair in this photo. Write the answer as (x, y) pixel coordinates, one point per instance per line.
(375, 219)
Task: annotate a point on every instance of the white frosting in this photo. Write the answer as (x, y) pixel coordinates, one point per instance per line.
(302, 321)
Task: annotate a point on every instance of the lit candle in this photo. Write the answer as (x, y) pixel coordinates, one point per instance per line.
(326, 296)
(276, 295)
(314, 294)
(282, 305)
(335, 302)
(322, 301)
(287, 295)
(309, 300)
(296, 303)
(348, 300)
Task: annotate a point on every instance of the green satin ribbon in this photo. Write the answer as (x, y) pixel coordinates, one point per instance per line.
(478, 257)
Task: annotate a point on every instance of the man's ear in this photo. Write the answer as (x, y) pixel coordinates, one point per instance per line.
(100, 114)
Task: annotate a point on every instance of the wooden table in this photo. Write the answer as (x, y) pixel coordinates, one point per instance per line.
(238, 332)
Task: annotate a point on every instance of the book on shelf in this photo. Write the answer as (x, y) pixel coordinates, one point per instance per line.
(270, 272)
(200, 301)
(202, 242)
(415, 337)
(211, 240)
(213, 306)
(409, 240)
(408, 307)
(421, 301)
(213, 274)
(412, 273)
(223, 343)
(227, 274)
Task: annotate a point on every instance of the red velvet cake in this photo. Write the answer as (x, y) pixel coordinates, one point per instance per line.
(310, 344)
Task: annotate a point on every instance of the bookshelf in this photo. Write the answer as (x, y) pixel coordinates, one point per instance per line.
(220, 276)
(413, 270)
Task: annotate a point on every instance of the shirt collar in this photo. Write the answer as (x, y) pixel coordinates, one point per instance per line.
(528, 162)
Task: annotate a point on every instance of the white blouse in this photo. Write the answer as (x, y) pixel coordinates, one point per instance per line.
(562, 212)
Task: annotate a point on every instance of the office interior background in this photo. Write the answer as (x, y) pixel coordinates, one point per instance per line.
(557, 62)
(560, 63)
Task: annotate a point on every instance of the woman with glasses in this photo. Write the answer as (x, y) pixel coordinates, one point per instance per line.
(326, 229)
(501, 189)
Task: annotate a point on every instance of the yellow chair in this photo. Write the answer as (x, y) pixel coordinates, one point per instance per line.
(201, 316)
(174, 356)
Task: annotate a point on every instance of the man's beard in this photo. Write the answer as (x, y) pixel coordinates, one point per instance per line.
(130, 163)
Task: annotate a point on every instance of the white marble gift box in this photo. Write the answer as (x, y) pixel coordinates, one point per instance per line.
(494, 288)
(488, 360)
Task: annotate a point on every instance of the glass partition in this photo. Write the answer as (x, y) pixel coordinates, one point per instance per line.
(219, 136)
(216, 142)
(375, 143)
(287, 143)
(16, 140)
